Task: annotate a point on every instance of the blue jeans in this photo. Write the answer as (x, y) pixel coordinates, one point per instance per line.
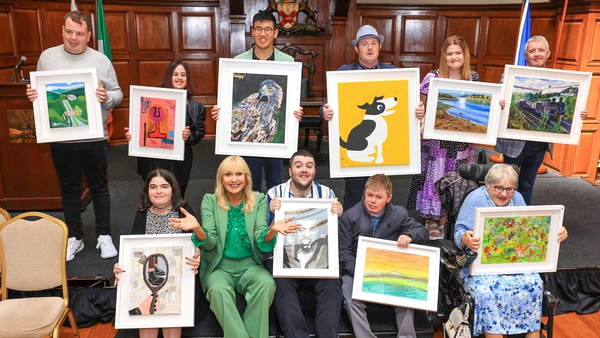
(70, 159)
(272, 166)
(529, 161)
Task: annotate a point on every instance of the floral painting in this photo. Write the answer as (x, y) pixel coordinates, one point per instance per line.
(515, 239)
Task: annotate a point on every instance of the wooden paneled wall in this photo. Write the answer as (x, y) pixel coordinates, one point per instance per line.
(146, 35)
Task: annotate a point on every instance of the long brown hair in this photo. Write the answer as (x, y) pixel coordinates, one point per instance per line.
(221, 192)
(466, 68)
(167, 81)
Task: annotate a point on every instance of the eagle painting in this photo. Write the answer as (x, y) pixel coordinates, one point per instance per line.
(254, 119)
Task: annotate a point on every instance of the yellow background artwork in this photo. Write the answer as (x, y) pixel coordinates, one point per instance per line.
(396, 148)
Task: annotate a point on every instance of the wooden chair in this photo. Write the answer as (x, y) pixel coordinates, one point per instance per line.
(33, 259)
(309, 123)
(4, 215)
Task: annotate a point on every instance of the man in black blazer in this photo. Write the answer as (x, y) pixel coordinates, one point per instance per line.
(375, 216)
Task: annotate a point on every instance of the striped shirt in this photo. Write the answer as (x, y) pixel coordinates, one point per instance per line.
(283, 190)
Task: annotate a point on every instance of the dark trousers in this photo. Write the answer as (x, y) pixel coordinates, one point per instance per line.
(272, 167)
(353, 193)
(289, 313)
(69, 160)
(529, 161)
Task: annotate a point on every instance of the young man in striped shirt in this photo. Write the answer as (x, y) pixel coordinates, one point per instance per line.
(328, 291)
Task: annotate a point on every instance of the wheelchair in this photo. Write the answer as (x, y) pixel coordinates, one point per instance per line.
(451, 293)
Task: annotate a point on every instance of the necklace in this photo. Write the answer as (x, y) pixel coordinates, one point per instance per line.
(155, 209)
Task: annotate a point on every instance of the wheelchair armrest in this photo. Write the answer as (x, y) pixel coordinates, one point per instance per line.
(448, 246)
(549, 301)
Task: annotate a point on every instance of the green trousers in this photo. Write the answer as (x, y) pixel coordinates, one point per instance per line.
(253, 282)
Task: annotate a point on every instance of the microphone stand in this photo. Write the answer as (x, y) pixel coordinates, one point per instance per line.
(16, 72)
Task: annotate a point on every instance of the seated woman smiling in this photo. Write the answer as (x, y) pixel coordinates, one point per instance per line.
(504, 304)
(234, 237)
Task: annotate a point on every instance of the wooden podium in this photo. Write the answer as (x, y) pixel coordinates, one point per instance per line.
(28, 180)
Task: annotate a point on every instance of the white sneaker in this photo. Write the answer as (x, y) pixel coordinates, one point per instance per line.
(74, 245)
(106, 247)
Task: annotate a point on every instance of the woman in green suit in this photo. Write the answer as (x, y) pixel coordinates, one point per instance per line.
(233, 238)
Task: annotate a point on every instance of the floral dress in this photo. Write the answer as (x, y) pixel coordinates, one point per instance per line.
(504, 304)
(437, 159)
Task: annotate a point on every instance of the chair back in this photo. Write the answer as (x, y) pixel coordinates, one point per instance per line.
(4, 215)
(307, 82)
(33, 253)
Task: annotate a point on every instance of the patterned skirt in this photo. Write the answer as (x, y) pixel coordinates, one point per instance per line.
(437, 159)
(506, 304)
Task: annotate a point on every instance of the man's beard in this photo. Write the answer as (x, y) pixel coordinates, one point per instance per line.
(301, 186)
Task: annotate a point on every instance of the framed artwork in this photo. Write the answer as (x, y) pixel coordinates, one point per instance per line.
(157, 287)
(312, 251)
(66, 108)
(462, 111)
(257, 100)
(543, 104)
(156, 121)
(374, 128)
(517, 239)
(390, 275)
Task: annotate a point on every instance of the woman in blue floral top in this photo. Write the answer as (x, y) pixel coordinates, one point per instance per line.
(504, 304)
(233, 239)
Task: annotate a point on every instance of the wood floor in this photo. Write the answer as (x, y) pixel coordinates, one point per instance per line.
(569, 325)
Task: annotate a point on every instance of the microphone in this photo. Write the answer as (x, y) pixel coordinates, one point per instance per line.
(21, 61)
(18, 69)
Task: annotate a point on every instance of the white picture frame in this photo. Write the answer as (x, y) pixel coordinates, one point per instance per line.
(171, 105)
(462, 111)
(570, 85)
(318, 234)
(536, 249)
(397, 130)
(71, 92)
(237, 132)
(176, 296)
(378, 257)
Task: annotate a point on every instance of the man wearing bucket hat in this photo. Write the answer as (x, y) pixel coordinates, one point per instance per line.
(367, 45)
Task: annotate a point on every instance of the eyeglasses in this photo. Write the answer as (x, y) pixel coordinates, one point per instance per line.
(259, 30)
(500, 189)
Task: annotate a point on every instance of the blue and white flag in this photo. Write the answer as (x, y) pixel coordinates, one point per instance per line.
(524, 34)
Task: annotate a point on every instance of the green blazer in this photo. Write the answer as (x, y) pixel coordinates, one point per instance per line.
(214, 222)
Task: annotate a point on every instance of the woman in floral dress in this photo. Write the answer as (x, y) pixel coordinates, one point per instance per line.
(441, 157)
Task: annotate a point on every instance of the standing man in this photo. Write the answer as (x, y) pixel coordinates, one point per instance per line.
(264, 33)
(89, 155)
(328, 291)
(375, 217)
(529, 155)
(367, 45)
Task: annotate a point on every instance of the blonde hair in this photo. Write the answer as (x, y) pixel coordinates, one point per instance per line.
(379, 181)
(221, 193)
(466, 68)
(499, 171)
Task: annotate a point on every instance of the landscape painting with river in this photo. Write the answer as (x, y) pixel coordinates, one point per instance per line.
(464, 111)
